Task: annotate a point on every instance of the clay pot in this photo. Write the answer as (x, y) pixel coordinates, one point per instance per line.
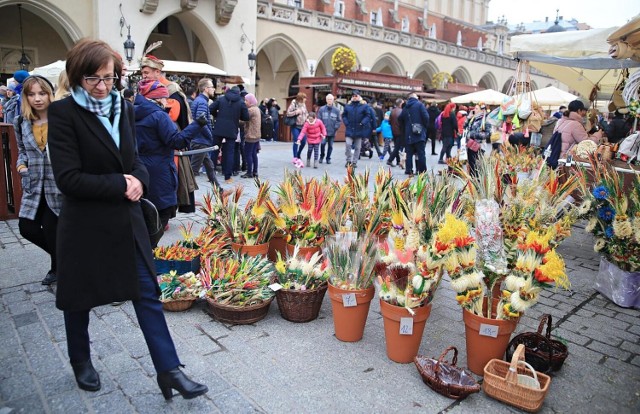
(481, 347)
(403, 348)
(349, 321)
(277, 244)
(302, 251)
(254, 250)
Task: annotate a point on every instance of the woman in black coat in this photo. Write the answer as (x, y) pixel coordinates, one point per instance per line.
(104, 253)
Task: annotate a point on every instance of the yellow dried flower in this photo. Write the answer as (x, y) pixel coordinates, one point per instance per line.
(622, 227)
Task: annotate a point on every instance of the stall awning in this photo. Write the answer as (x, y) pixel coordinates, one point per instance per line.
(396, 92)
(175, 66)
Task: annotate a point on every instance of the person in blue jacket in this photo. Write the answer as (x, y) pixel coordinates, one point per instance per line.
(387, 134)
(228, 110)
(200, 108)
(414, 119)
(357, 121)
(157, 136)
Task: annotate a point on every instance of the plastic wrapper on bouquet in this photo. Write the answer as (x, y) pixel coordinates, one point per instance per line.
(619, 286)
(489, 235)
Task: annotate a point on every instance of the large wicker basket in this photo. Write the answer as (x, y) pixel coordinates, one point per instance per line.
(502, 381)
(542, 352)
(446, 378)
(239, 315)
(300, 305)
(179, 305)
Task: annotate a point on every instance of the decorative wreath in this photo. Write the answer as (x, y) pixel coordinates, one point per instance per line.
(343, 60)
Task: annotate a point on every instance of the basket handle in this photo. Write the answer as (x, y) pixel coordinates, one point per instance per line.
(546, 318)
(526, 364)
(454, 360)
(512, 373)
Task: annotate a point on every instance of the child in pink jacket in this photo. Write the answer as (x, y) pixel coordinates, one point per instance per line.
(315, 131)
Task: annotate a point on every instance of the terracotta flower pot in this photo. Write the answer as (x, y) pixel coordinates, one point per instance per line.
(486, 339)
(277, 244)
(302, 251)
(349, 321)
(403, 347)
(253, 250)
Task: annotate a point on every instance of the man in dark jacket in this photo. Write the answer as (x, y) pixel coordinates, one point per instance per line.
(329, 114)
(415, 120)
(228, 110)
(203, 140)
(398, 133)
(618, 128)
(357, 121)
(433, 112)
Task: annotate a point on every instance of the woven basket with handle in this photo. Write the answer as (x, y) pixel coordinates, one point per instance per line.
(446, 378)
(542, 352)
(502, 382)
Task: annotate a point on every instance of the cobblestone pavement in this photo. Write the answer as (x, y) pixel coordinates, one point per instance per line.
(275, 366)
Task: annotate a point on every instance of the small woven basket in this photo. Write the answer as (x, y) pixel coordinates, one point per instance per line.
(300, 305)
(542, 352)
(502, 382)
(445, 377)
(239, 315)
(604, 152)
(179, 305)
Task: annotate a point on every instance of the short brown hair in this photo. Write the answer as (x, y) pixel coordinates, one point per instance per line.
(301, 96)
(87, 56)
(25, 108)
(202, 84)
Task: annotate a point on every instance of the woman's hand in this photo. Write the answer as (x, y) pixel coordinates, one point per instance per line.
(134, 188)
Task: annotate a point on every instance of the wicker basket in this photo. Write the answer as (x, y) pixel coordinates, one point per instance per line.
(178, 305)
(502, 383)
(300, 305)
(542, 352)
(239, 315)
(604, 152)
(445, 377)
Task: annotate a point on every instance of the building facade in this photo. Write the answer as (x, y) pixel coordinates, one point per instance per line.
(291, 38)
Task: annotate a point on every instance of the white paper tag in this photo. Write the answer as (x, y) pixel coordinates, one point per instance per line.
(275, 287)
(489, 330)
(349, 300)
(406, 326)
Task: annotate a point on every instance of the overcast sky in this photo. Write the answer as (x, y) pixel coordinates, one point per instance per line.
(596, 13)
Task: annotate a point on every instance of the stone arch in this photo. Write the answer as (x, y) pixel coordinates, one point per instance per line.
(534, 85)
(280, 61)
(488, 81)
(205, 47)
(425, 72)
(388, 63)
(53, 33)
(462, 75)
(507, 84)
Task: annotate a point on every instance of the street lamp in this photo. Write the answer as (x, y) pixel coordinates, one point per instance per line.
(24, 60)
(129, 46)
(252, 59)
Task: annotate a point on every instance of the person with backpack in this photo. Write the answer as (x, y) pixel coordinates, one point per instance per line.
(571, 128)
(414, 120)
(398, 133)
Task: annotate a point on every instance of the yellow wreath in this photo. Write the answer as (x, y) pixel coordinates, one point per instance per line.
(343, 60)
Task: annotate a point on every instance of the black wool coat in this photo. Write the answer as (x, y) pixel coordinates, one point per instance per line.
(99, 230)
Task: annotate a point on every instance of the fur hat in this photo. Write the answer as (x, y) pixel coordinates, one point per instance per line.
(152, 89)
(152, 62)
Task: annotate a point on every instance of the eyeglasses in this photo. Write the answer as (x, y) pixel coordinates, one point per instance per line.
(94, 80)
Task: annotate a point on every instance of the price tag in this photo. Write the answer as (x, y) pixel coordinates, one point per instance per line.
(275, 287)
(349, 300)
(406, 326)
(489, 330)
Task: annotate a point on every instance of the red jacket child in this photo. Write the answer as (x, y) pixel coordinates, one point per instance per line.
(314, 129)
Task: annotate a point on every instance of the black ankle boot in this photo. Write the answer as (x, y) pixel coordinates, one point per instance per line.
(176, 380)
(86, 376)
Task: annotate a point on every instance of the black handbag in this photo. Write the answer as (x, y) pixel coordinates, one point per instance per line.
(290, 120)
(152, 220)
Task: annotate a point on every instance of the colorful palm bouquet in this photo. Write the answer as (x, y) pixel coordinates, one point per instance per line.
(238, 281)
(352, 260)
(409, 272)
(614, 216)
(180, 287)
(504, 248)
(304, 208)
(301, 273)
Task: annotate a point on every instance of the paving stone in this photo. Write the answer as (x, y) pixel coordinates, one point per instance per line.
(56, 384)
(151, 404)
(17, 386)
(233, 401)
(609, 350)
(137, 382)
(31, 404)
(619, 324)
(114, 402)
(67, 402)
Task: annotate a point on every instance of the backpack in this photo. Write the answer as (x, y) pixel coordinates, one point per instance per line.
(439, 122)
(553, 149)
